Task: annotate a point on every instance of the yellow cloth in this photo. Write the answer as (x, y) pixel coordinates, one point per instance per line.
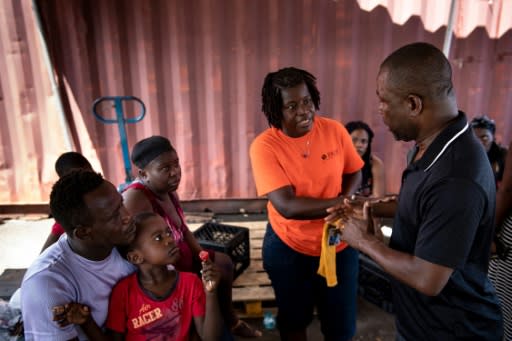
(327, 266)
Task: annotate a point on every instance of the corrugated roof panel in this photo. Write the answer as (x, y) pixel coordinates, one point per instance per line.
(199, 66)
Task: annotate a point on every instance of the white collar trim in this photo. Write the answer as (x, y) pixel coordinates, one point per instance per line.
(447, 144)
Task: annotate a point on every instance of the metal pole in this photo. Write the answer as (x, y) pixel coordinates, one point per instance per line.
(53, 82)
(449, 29)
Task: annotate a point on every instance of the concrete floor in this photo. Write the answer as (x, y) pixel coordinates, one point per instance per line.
(21, 241)
(373, 324)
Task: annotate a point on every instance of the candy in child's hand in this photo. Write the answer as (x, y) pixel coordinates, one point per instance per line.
(203, 255)
(209, 285)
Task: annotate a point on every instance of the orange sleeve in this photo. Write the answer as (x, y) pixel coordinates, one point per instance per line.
(353, 161)
(267, 171)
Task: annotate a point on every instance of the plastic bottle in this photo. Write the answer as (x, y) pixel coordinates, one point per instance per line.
(269, 321)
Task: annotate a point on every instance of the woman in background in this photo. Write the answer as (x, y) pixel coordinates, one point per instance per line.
(500, 267)
(373, 183)
(485, 130)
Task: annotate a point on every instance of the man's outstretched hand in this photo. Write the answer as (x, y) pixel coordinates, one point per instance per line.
(355, 219)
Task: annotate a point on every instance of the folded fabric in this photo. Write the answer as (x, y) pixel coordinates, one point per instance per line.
(327, 266)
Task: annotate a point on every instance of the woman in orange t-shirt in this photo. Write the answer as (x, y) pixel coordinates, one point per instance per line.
(304, 164)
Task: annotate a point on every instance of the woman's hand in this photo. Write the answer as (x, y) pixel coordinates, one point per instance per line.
(354, 217)
(351, 223)
(338, 211)
(354, 205)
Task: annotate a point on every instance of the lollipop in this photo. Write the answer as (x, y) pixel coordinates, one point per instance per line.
(204, 256)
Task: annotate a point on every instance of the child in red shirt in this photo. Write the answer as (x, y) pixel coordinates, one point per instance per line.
(155, 301)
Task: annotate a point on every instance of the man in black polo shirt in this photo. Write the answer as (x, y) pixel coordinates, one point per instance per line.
(439, 250)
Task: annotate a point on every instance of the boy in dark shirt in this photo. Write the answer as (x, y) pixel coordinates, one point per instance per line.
(65, 163)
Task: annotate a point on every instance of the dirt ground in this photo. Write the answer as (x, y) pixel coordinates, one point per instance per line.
(21, 241)
(373, 324)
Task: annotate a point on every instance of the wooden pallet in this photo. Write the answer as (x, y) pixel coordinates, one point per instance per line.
(253, 286)
(10, 281)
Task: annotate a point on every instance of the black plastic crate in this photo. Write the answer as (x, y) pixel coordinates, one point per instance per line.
(374, 285)
(232, 240)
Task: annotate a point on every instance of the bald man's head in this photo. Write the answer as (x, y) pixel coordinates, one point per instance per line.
(420, 69)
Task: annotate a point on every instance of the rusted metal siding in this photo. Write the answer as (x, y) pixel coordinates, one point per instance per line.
(28, 147)
(199, 65)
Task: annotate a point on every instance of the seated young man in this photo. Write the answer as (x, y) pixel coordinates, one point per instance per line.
(82, 266)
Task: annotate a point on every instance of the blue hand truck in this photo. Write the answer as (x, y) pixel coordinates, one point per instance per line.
(121, 120)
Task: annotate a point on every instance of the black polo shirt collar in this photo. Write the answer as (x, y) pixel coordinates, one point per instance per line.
(440, 143)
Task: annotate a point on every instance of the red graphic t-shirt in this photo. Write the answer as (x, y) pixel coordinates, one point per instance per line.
(133, 313)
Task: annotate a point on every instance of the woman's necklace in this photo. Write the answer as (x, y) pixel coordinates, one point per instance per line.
(307, 149)
(306, 152)
(298, 144)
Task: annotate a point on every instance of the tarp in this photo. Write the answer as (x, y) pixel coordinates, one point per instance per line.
(494, 15)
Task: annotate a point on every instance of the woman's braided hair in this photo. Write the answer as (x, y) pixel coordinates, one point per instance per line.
(367, 168)
(484, 122)
(275, 82)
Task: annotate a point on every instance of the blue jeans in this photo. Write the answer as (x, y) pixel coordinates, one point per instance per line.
(298, 289)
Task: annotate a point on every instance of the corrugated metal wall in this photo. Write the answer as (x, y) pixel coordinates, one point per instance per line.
(199, 66)
(26, 109)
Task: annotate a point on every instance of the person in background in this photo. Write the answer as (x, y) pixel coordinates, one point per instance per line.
(156, 302)
(154, 189)
(373, 182)
(65, 163)
(83, 265)
(500, 267)
(439, 250)
(485, 128)
(304, 163)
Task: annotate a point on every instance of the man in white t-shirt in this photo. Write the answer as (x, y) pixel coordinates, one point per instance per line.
(83, 265)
